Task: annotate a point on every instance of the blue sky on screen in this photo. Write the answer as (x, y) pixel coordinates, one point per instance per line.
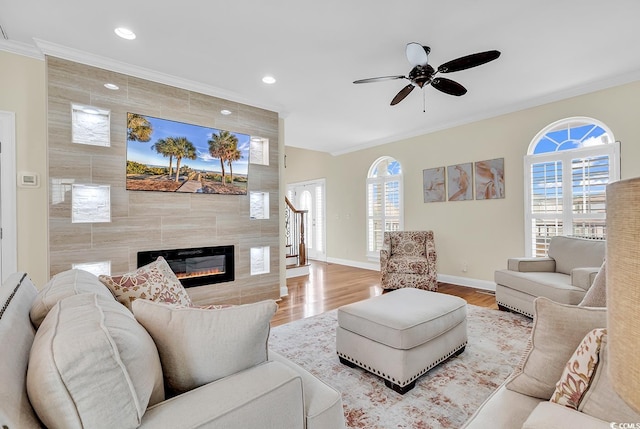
(162, 128)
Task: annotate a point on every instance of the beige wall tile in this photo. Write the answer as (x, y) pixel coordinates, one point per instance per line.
(153, 220)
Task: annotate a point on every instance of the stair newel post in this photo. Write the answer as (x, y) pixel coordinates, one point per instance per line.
(302, 246)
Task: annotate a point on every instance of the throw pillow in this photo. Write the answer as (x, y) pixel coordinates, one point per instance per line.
(155, 282)
(92, 365)
(596, 296)
(601, 400)
(198, 346)
(579, 371)
(557, 331)
(62, 285)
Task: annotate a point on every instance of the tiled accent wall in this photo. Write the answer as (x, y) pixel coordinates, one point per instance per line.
(142, 220)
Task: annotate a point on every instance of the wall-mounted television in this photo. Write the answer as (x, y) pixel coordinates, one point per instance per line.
(170, 156)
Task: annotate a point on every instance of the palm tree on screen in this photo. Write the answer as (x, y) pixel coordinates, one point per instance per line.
(183, 149)
(167, 148)
(233, 154)
(219, 148)
(138, 128)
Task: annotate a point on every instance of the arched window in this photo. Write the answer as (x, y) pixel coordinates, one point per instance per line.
(567, 168)
(385, 211)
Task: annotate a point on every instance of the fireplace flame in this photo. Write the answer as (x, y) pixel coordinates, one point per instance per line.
(201, 273)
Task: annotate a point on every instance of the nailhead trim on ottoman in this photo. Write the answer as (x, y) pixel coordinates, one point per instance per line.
(401, 335)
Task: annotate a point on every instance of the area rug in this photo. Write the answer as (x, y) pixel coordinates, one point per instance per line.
(443, 398)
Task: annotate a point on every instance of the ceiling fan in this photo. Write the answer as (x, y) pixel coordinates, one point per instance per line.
(423, 74)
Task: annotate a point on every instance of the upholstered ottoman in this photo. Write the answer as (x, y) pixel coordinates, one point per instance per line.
(402, 334)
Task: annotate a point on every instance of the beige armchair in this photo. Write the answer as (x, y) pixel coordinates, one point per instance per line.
(408, 259)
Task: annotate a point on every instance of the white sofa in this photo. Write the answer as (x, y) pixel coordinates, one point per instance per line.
(275, 393)
(564, 276)
(527, 399)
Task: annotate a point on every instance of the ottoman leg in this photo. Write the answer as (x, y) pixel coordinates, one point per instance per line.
(400, 390)
(347, 362)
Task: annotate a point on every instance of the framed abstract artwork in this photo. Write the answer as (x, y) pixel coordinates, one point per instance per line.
(433, 185)
(460, 182)
(490, 179)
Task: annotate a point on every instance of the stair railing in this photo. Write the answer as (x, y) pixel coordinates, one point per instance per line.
(294, 227)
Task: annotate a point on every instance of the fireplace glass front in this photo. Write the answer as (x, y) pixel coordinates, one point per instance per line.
(196, 266)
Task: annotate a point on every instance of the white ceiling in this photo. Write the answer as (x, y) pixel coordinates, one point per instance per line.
(316, 49)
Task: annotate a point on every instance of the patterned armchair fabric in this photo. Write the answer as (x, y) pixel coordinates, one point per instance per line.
(408, 259)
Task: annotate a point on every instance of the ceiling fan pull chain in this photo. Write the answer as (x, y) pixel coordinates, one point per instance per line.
(424, 102)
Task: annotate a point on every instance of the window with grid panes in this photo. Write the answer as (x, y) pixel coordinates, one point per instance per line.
(384, 202)
(568, 166)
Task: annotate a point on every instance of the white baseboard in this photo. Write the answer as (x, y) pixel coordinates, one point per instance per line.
(284, 291)
(468, 282)
(297, 271)
(444, 278)
(356, 264)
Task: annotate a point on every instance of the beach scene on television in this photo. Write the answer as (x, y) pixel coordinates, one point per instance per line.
(170, 156)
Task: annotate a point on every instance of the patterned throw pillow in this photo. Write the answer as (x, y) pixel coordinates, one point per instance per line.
(579, 371)
(154, 282)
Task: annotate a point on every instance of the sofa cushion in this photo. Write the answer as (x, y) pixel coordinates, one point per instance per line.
(92, 365)
(554, 286)
(198, 346)
(596, 296)
(557, 331)
(16, 336)
(572, 252)
(408, 265)
(62, 285)
(155, 281)
(413, 243)
(503, 409)
(548, 415)
(579, 371)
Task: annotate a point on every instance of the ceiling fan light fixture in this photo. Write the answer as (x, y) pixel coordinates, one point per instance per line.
(417, 54)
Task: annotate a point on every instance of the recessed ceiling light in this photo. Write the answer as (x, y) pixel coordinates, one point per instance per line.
(225, 112)
(125, 33)
(111, 86)
(269, 79)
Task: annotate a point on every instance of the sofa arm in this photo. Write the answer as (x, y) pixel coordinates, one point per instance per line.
(583, 277)
(531, 264)
(549, 415)
(268, 395)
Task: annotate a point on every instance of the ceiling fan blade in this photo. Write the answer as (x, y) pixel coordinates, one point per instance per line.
(448, 86)
(402, 94)
(379, 79)
(468, 61)
(417, 54)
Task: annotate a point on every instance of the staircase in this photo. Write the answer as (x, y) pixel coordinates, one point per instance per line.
(296, 254)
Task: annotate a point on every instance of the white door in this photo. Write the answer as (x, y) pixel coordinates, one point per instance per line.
(8, 229)
(310, 196)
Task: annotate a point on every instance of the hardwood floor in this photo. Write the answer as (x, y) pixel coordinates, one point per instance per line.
(329, 286)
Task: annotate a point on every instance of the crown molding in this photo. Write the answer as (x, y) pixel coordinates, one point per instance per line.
(66, 53)
(20, 48)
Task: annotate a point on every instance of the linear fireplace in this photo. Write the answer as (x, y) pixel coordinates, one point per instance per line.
(196, 266)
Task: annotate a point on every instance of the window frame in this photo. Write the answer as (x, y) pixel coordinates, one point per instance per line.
(565, 157)
(382, 180)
